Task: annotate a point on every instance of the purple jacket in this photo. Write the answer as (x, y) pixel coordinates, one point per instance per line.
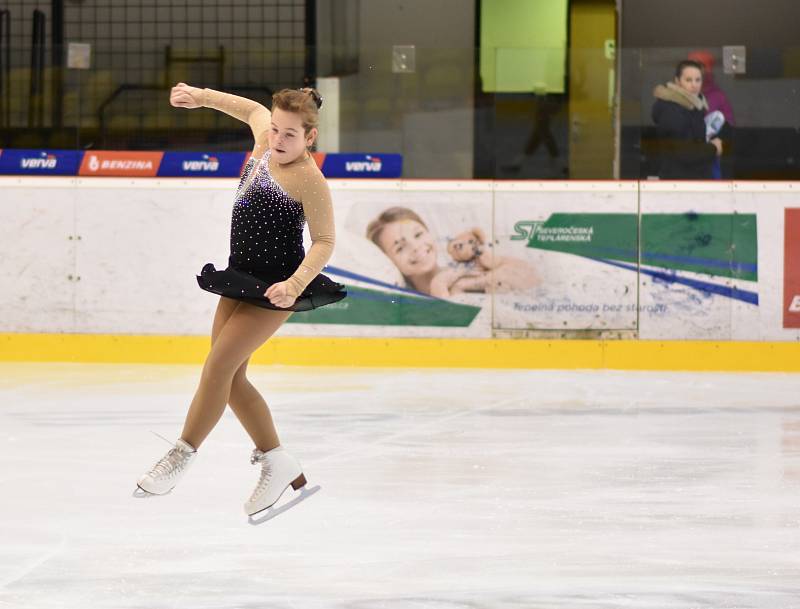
(717, 100)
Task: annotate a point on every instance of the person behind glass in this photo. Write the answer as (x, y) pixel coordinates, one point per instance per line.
(715, 96)
(269, 276)
(679, 114)
(717, 102)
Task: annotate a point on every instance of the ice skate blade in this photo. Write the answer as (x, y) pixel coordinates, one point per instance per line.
(140, 493)
(270, 512)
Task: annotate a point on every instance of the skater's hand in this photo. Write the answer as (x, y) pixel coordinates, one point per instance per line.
(280, 295)
(184, 96)
(718, 145)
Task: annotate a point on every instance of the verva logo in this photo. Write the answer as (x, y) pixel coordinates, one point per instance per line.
(372, 164)
(207, 164)
(43, 161)
(108, 163)
(791, 269)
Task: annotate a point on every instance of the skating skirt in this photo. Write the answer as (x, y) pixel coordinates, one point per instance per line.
(249, 286)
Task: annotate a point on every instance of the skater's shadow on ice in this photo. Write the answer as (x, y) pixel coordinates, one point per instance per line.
(270, 513)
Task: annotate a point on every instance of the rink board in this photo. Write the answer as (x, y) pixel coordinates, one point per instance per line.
(598, 261)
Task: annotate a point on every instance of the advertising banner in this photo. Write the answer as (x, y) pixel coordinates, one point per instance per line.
(415, 263)
(127, 164)
(201, 164)
(701, 274)
(182, 164)
(345, 165)
(573, 264)
(575, 240)
(791, 268)
(40, 162)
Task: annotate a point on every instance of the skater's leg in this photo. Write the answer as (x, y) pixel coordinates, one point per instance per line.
(225, 308)
(247, 328)
(252, 411)
(246, 402)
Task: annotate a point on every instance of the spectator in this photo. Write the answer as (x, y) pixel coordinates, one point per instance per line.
(679, 114)
(716, 99)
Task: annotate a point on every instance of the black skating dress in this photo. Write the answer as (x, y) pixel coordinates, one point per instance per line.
(267, 245)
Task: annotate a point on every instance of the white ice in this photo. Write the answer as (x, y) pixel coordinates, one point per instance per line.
(440, 489)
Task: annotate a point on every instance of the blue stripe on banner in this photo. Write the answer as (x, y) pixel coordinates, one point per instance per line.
(652, 257)
(201, 164)
(40, 162)
(720, 264)
(387, 297)
(350, 275)
(703, 286)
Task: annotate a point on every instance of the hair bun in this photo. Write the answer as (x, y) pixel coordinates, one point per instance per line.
(314, 95)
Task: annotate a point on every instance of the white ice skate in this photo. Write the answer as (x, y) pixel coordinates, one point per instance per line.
(165, 474)
(279, 471)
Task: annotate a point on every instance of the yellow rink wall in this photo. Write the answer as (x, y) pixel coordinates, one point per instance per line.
(417, 352)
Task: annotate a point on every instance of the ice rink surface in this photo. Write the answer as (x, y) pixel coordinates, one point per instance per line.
(447, 489)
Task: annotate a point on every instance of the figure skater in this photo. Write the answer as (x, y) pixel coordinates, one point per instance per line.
(268, 276)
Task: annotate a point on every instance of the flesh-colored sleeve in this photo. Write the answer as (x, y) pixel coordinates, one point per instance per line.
(245, 110)
(318, 209)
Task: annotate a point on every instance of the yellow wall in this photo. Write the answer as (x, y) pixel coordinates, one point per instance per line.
(417, 353)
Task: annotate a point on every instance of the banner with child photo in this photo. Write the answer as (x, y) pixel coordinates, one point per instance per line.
(418, 263)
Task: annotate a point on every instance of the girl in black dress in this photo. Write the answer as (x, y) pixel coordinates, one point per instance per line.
(268, 276)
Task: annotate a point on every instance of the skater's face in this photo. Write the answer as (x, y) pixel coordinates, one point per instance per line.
(691, 79)
(410, 246)
(287, 139)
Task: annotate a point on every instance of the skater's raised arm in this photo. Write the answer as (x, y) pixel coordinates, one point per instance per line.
(241, 108)
(246, 110)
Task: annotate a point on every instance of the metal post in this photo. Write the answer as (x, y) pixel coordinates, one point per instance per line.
(57, 60)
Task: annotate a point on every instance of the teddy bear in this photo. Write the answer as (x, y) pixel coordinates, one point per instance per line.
(475, 268)
(469, 250)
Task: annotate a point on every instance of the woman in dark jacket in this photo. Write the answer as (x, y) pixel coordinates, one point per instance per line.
(679, 113)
